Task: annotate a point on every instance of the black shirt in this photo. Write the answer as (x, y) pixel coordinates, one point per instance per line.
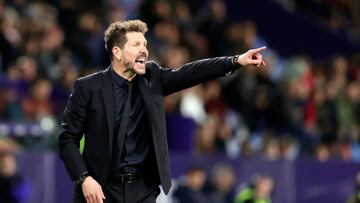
(137, 136)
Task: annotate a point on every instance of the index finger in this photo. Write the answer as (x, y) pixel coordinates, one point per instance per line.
(257, 50)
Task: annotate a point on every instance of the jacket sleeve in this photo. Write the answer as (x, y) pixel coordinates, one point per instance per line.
(73, 120)
(195, 73)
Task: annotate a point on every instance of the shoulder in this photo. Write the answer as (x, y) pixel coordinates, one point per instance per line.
(152, 65)
(152, 69)
(155, 67)
(90, 81)
(91, 78)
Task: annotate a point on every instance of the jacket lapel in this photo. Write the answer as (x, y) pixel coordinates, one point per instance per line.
(145, 91)
(107, 93)
(145, 86)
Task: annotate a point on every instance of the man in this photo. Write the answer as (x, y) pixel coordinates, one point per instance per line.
(221, 187)
(190, 187)
(13, 187)
(259, 191)
(125, 156)
(355, 198)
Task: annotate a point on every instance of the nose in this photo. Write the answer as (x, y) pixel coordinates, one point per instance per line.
(144, 50)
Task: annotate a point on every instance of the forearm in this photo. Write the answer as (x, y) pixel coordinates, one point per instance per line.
(196, 72)
(73, 160)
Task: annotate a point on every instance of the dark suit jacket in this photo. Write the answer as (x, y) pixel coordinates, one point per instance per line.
(89, 112)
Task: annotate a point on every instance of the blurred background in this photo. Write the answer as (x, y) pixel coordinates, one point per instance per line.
(285, 133)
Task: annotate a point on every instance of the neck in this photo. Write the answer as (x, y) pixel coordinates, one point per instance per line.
(124, 72)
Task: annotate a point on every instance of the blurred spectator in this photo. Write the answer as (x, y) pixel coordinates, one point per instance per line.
(29, 71)
(337, 15)
(38, 106)
(222, 184)
(212, 21)
(13, 188)
(322, 153)
(206, 135)
(154, 11)
(246, 149)
(10, 105)
(192, 104)
(289, 148)
(190, 187)
(355, 197)
(271, 149)
(259, 190)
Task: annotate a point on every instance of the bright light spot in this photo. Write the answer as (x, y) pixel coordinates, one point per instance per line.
(19, 129)
(4, 130)
(47, 124)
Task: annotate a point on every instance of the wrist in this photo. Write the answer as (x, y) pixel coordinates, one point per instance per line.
(82, 178)
(235, 60)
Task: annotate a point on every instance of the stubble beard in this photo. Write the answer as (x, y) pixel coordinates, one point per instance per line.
(129, 68)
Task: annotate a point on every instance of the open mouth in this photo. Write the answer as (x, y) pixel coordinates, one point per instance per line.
(140, 60)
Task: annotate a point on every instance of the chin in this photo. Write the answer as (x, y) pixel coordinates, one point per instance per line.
(140, 71)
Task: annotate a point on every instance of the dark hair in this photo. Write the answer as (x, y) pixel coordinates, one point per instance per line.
(194, 168)
(115, 34)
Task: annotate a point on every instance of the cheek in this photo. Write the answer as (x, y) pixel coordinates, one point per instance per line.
(131, 57)
(128, 54)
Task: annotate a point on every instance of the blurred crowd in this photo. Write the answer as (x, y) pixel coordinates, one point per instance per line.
(292, 107)
(196, 186)
(338, 15)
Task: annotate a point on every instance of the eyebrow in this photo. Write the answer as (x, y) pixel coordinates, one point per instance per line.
(139, 41)
(144, 42)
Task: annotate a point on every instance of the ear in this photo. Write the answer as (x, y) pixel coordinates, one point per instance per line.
(116, 51)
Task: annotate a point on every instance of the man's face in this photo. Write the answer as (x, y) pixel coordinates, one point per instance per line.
(7, 165)
(264, 187)
(134, 54)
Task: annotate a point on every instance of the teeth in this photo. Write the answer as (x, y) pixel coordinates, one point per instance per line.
(140, 60)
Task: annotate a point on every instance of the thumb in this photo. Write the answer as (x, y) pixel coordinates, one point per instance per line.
(102, 194)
